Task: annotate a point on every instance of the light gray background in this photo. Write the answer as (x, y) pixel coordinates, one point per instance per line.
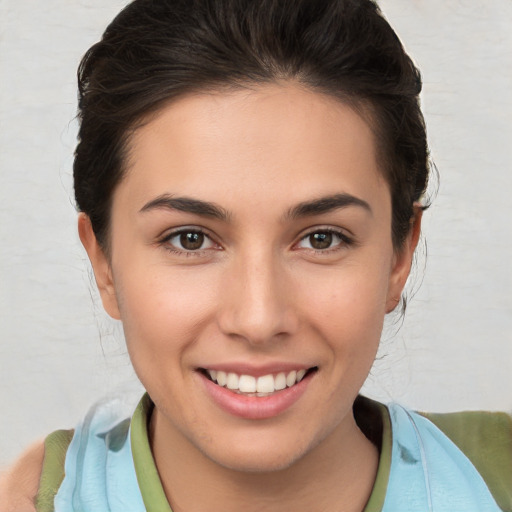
(58, 351)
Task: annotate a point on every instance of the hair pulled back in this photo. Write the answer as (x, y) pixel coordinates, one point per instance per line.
(155, 51)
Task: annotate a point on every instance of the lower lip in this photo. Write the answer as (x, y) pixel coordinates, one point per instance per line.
(254, 407)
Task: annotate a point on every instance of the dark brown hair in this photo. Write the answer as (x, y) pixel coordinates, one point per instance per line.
(157, 50)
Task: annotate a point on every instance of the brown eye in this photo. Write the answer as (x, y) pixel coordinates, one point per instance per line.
(321, 240)
(188, 241)
(192, 241)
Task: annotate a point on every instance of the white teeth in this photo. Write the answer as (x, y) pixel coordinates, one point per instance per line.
(300, 375)
(291, 378)
(232, 381)
(247, 384)
(221, 378)
(280, 381)
(263, 386)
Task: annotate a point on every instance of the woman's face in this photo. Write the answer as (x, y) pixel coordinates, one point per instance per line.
(250, 244)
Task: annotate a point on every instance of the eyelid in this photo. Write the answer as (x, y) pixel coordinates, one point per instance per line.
(345, 239)
(165, 238)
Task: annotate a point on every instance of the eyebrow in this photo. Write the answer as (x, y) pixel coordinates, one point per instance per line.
(207, 209)
(188, 205)
(325, 205)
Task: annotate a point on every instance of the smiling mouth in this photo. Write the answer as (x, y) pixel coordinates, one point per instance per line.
(249, 385)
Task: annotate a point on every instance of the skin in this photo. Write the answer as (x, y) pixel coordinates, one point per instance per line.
(256, 293)
(19, 484)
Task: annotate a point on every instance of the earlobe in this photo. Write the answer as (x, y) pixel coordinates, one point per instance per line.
(402, 262)
(100, 265)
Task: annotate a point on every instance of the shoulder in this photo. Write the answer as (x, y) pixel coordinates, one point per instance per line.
(485, 437)
(486, 432)
(52, 474)
(31, 483)
(20, 483)
(486, 440)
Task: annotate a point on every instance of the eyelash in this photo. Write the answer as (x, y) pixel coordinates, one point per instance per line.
(344, 241)
(165, 242)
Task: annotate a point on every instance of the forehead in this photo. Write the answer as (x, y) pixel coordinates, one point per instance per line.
(256, 142)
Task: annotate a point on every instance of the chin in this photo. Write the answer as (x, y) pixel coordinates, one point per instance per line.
(269, 462)
(260, 456)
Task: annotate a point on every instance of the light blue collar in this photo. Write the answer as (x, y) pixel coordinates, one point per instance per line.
(99, 471)
(428, 471)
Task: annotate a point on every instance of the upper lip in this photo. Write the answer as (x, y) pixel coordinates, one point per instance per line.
(242, 368)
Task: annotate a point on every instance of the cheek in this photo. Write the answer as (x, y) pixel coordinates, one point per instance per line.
(162, 308)
(346, 309)
(351, 298)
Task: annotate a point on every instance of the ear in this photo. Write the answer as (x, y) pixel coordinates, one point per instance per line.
(402, 261)
(100, 265)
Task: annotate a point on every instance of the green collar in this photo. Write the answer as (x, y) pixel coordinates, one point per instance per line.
(147, 475)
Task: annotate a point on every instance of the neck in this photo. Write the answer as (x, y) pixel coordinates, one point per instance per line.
(336, 475)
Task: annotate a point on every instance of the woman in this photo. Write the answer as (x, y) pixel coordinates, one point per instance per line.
(250, 179)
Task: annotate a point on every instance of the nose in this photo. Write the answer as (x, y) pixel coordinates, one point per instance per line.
(257, 300)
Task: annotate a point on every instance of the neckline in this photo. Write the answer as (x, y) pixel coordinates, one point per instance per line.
(366, 412)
